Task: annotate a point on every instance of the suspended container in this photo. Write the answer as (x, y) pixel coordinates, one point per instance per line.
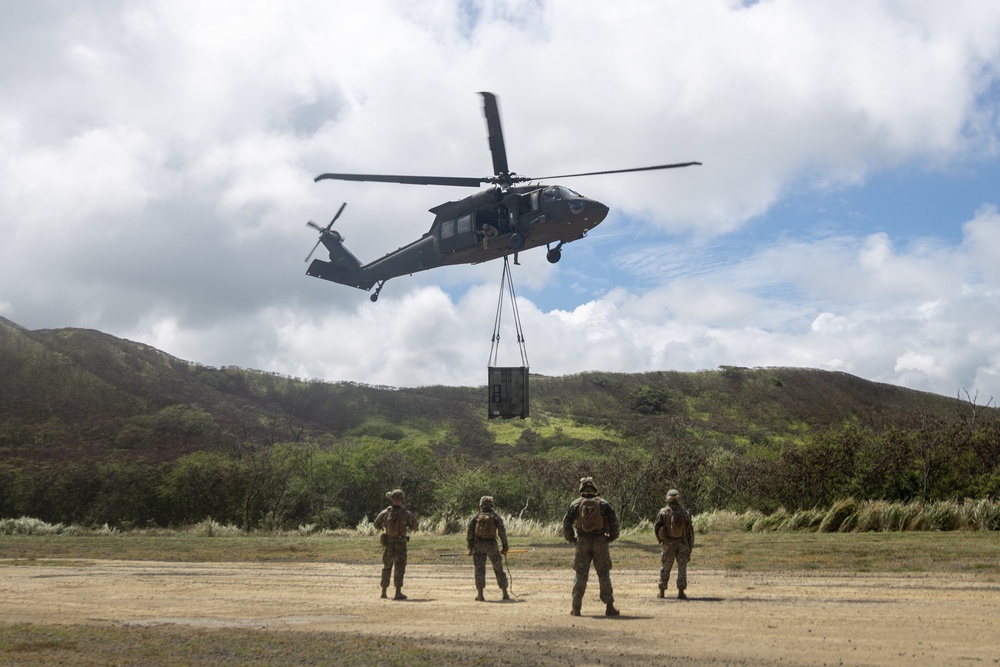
(508, 385)
(508, 392)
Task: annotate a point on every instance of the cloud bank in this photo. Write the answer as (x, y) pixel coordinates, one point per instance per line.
(158, 161)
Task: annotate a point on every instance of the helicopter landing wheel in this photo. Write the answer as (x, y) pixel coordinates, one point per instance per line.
(516, 241)
(374, 297)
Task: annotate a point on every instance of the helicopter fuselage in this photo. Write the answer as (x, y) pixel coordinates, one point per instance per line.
(487, 225)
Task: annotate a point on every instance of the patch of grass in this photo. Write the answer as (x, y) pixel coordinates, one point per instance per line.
(89, 646)
(961, 551)
(723, 549)
(507, 432)
(44, 562)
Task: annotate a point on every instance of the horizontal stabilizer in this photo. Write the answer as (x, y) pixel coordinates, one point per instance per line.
(333, 273)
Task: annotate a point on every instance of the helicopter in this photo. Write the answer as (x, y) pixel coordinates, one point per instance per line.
(514, 214)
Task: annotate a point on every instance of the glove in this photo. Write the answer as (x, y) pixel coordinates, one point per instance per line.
(503, 552)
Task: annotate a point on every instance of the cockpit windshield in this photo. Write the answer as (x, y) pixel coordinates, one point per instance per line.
(557, 192)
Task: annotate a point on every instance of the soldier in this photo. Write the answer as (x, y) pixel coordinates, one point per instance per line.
(395, 520)
(481, 535)
(675, 533)
(596, 526)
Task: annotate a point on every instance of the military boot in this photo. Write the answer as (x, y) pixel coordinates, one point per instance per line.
(505, 596)
(479, 595)
(399, 594)
(611, 611)
(575, 611)
(681, 596)
(660, 595)
(384, 589)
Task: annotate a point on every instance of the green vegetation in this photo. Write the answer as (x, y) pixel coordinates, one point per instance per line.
(725, 540)
(97, 431)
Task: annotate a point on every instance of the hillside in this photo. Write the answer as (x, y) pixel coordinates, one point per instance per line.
(91, 394)
(77, 405)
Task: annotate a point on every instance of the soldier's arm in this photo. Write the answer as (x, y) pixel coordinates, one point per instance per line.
(657, 525)
(690, 531)
(380, 519)
(614, 528)
(501, 532)
(470, 533)
(568, 520)
(411, 521)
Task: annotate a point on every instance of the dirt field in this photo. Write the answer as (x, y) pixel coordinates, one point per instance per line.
(753, 619)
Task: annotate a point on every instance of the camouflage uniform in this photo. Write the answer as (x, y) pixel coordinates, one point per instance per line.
(483, 548)
(591, 547)
(394, 553)
(674, 548)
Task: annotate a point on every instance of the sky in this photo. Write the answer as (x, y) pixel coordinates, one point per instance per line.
(157, 162)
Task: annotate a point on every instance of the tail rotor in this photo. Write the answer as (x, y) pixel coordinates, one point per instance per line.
(323, 231)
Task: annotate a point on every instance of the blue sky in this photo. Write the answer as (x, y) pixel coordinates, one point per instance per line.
(159, 157)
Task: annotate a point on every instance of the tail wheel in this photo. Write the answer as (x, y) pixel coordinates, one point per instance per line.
(553, 255)
(516, 241)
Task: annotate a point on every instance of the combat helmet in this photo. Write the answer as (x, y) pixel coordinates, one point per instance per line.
(486, 503)
(587, 486)
(673, 493)
(395, 494)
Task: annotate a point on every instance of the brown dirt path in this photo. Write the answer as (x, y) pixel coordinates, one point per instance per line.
(751, 619)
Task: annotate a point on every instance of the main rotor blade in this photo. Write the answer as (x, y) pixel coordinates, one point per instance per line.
(613, 171)
(497, 148)
(408, 180)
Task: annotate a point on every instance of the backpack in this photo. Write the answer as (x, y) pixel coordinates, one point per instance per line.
(590, 519)
(486, 526)
(395, 523)
(674, 526)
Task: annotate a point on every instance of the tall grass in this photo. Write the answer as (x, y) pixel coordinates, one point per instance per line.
(853, 516)
(26, 525)
(845, 516)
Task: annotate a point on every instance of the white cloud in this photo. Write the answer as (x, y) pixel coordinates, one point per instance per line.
(157, 160)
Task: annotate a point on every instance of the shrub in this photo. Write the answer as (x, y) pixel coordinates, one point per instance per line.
(27, 525)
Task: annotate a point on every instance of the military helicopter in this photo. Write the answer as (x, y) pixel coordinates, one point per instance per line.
(508, 217)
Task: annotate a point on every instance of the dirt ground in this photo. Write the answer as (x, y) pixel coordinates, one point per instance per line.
(731, 618)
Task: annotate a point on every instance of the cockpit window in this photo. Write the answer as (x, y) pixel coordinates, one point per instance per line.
(558, 192)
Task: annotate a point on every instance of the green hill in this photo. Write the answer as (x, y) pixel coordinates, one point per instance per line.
(82, 412)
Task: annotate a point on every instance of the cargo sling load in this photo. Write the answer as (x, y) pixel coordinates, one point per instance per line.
(508, 385)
